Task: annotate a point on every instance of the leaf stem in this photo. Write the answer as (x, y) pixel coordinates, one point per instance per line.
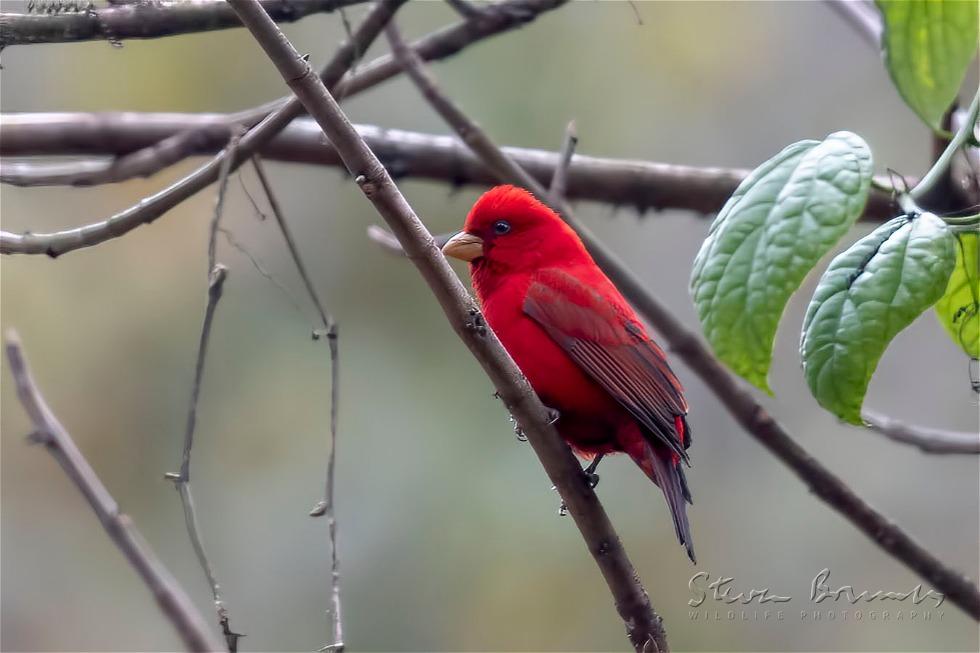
(960, 138)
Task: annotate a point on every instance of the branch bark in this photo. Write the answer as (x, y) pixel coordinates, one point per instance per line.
(276, 115)
(174, 602)
(640, 184)
(929, 440)
(150, 208)
(632, 602)
(740, 403)
(145, 20)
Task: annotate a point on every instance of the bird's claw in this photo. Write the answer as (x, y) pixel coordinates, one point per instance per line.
(475, 323)
(553, 416)
(518, 431)
(591, 478)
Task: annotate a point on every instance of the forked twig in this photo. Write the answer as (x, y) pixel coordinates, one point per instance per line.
(217, 273)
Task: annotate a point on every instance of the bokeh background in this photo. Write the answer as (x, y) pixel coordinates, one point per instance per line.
(449, 537)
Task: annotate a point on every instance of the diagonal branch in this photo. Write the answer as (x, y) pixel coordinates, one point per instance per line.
(644, 628)
(174, 602)
(750, 414)
(929, 440)
(144, 20)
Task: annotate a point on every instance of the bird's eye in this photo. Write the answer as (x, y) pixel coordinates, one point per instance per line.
(501, 227)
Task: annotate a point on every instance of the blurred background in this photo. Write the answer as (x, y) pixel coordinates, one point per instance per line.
(449, 533)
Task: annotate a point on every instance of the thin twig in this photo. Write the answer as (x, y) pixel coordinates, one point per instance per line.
(174, 602)
(219, 202)
(287, 234)
(150, 208)
(620, 182)
(378, 187)
(929, 440)
(144, 20)
(559, 180)
(217, 273)
(258, 267)
(387, 241)
(863, 17)
(750, 414)
(144, 162)
(324, 507)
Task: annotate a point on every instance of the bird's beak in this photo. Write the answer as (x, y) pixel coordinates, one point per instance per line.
(464, 246)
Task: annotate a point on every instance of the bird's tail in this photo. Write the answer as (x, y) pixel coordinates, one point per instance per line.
(665, 470)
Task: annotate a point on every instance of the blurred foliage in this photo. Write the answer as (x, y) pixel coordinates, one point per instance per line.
(448, 534)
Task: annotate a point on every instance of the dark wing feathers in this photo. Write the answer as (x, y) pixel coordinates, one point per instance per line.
(613, 350)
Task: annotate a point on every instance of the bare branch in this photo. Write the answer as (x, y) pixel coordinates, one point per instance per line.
(287, 234)
(217, 273)
(442, 43)
(174, 602)
(459, 307)
(640, 184)
(863, 17)
(324, 507)
(750, 414)
(145, 20)
(150, 208)
(144, 162)
(929, 440)
(559, 180)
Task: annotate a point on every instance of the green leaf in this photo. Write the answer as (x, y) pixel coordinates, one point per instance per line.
(786, 215)
(929, 45)
(959, 307)
(867, 295)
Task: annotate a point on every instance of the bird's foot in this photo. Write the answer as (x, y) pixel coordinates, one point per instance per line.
(518, 431)
(590, 476)
(475, 323)
(553, 415)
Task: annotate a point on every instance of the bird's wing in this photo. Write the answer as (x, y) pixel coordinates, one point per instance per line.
(602, 335)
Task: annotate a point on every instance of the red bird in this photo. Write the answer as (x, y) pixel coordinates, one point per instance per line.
(577, 341)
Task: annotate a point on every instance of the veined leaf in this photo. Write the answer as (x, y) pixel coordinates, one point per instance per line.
(867, 295)
(786, 215)
(928, 46)
(959, 307)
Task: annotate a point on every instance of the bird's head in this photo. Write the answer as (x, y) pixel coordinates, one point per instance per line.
(509, 230)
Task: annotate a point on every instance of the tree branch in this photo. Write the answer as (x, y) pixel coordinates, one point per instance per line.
(276, 115)
(462, 312)
(863, 17)
(929, 440)
(740, 403)
(558, 187)
(145, 20)
(641, 184)
(174, 602)
(324, 507)
(217, 273)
